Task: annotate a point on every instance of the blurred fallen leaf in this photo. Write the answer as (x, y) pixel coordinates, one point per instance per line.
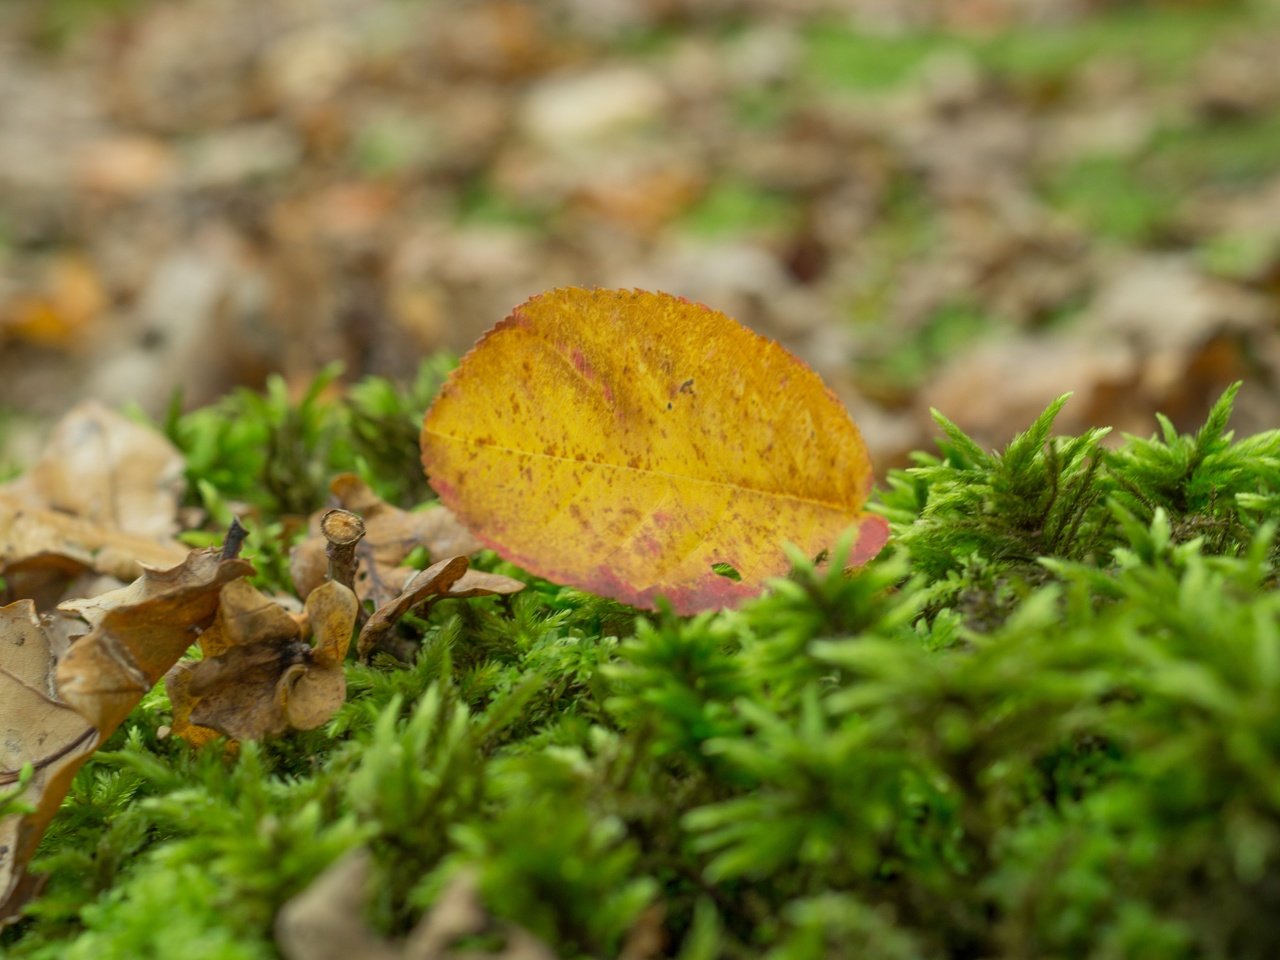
(325, 922)
(1161, 335)
(102, 497)
(108, 469)
(125, 165)
(71, 298)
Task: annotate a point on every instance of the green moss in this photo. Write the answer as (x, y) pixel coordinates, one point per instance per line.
(1137, 198)
(1109, 195)
(738, 208)
(840, 57)
(481, 202)
(1042, 723)
(1161, 42)
(900, 361)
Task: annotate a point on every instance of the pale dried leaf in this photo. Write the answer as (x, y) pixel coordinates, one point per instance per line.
(478, 583)
(39, 540)
(325, 921)
(458, 913)
(102, 497)
(54, 713)
(108, 470)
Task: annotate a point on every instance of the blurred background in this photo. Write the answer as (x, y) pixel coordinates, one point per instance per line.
(968, 204)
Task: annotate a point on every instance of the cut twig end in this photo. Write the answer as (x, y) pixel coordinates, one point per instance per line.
(342, 527)
(344, 530)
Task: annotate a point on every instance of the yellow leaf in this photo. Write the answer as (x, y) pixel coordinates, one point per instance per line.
(626, 442)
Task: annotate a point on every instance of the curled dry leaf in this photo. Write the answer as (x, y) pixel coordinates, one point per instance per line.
(259, 676)
(101, 498)
(391, 534)
(325, 922)
(56, 708)
(448, 579)
(139, 632)
(629, 443)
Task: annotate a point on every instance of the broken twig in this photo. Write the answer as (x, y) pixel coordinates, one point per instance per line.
(344, 530)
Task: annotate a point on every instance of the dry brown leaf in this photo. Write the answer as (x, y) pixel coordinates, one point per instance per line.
(53, 717)
(433, 581)
(139, 632)
(391, 534)
(245, 615)
(35, 728)
(44, 577)
(103, 467)
(259, 676)
(101, 498)
(325, 922)
(447, 579)
(477, 583)
(42, 549)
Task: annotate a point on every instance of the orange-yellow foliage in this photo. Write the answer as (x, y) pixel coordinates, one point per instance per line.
(624, 442)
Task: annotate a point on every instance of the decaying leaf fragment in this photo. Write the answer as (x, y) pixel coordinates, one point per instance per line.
(102, 498)
(629, 443)
(391, 534)
(259, 676)
(56, 707)
(325, 922)
(447, 579)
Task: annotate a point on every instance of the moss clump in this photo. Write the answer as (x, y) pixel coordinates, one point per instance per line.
(1046, 722)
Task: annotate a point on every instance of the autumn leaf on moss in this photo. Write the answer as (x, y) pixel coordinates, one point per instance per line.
(629, 443)
(259, 676)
